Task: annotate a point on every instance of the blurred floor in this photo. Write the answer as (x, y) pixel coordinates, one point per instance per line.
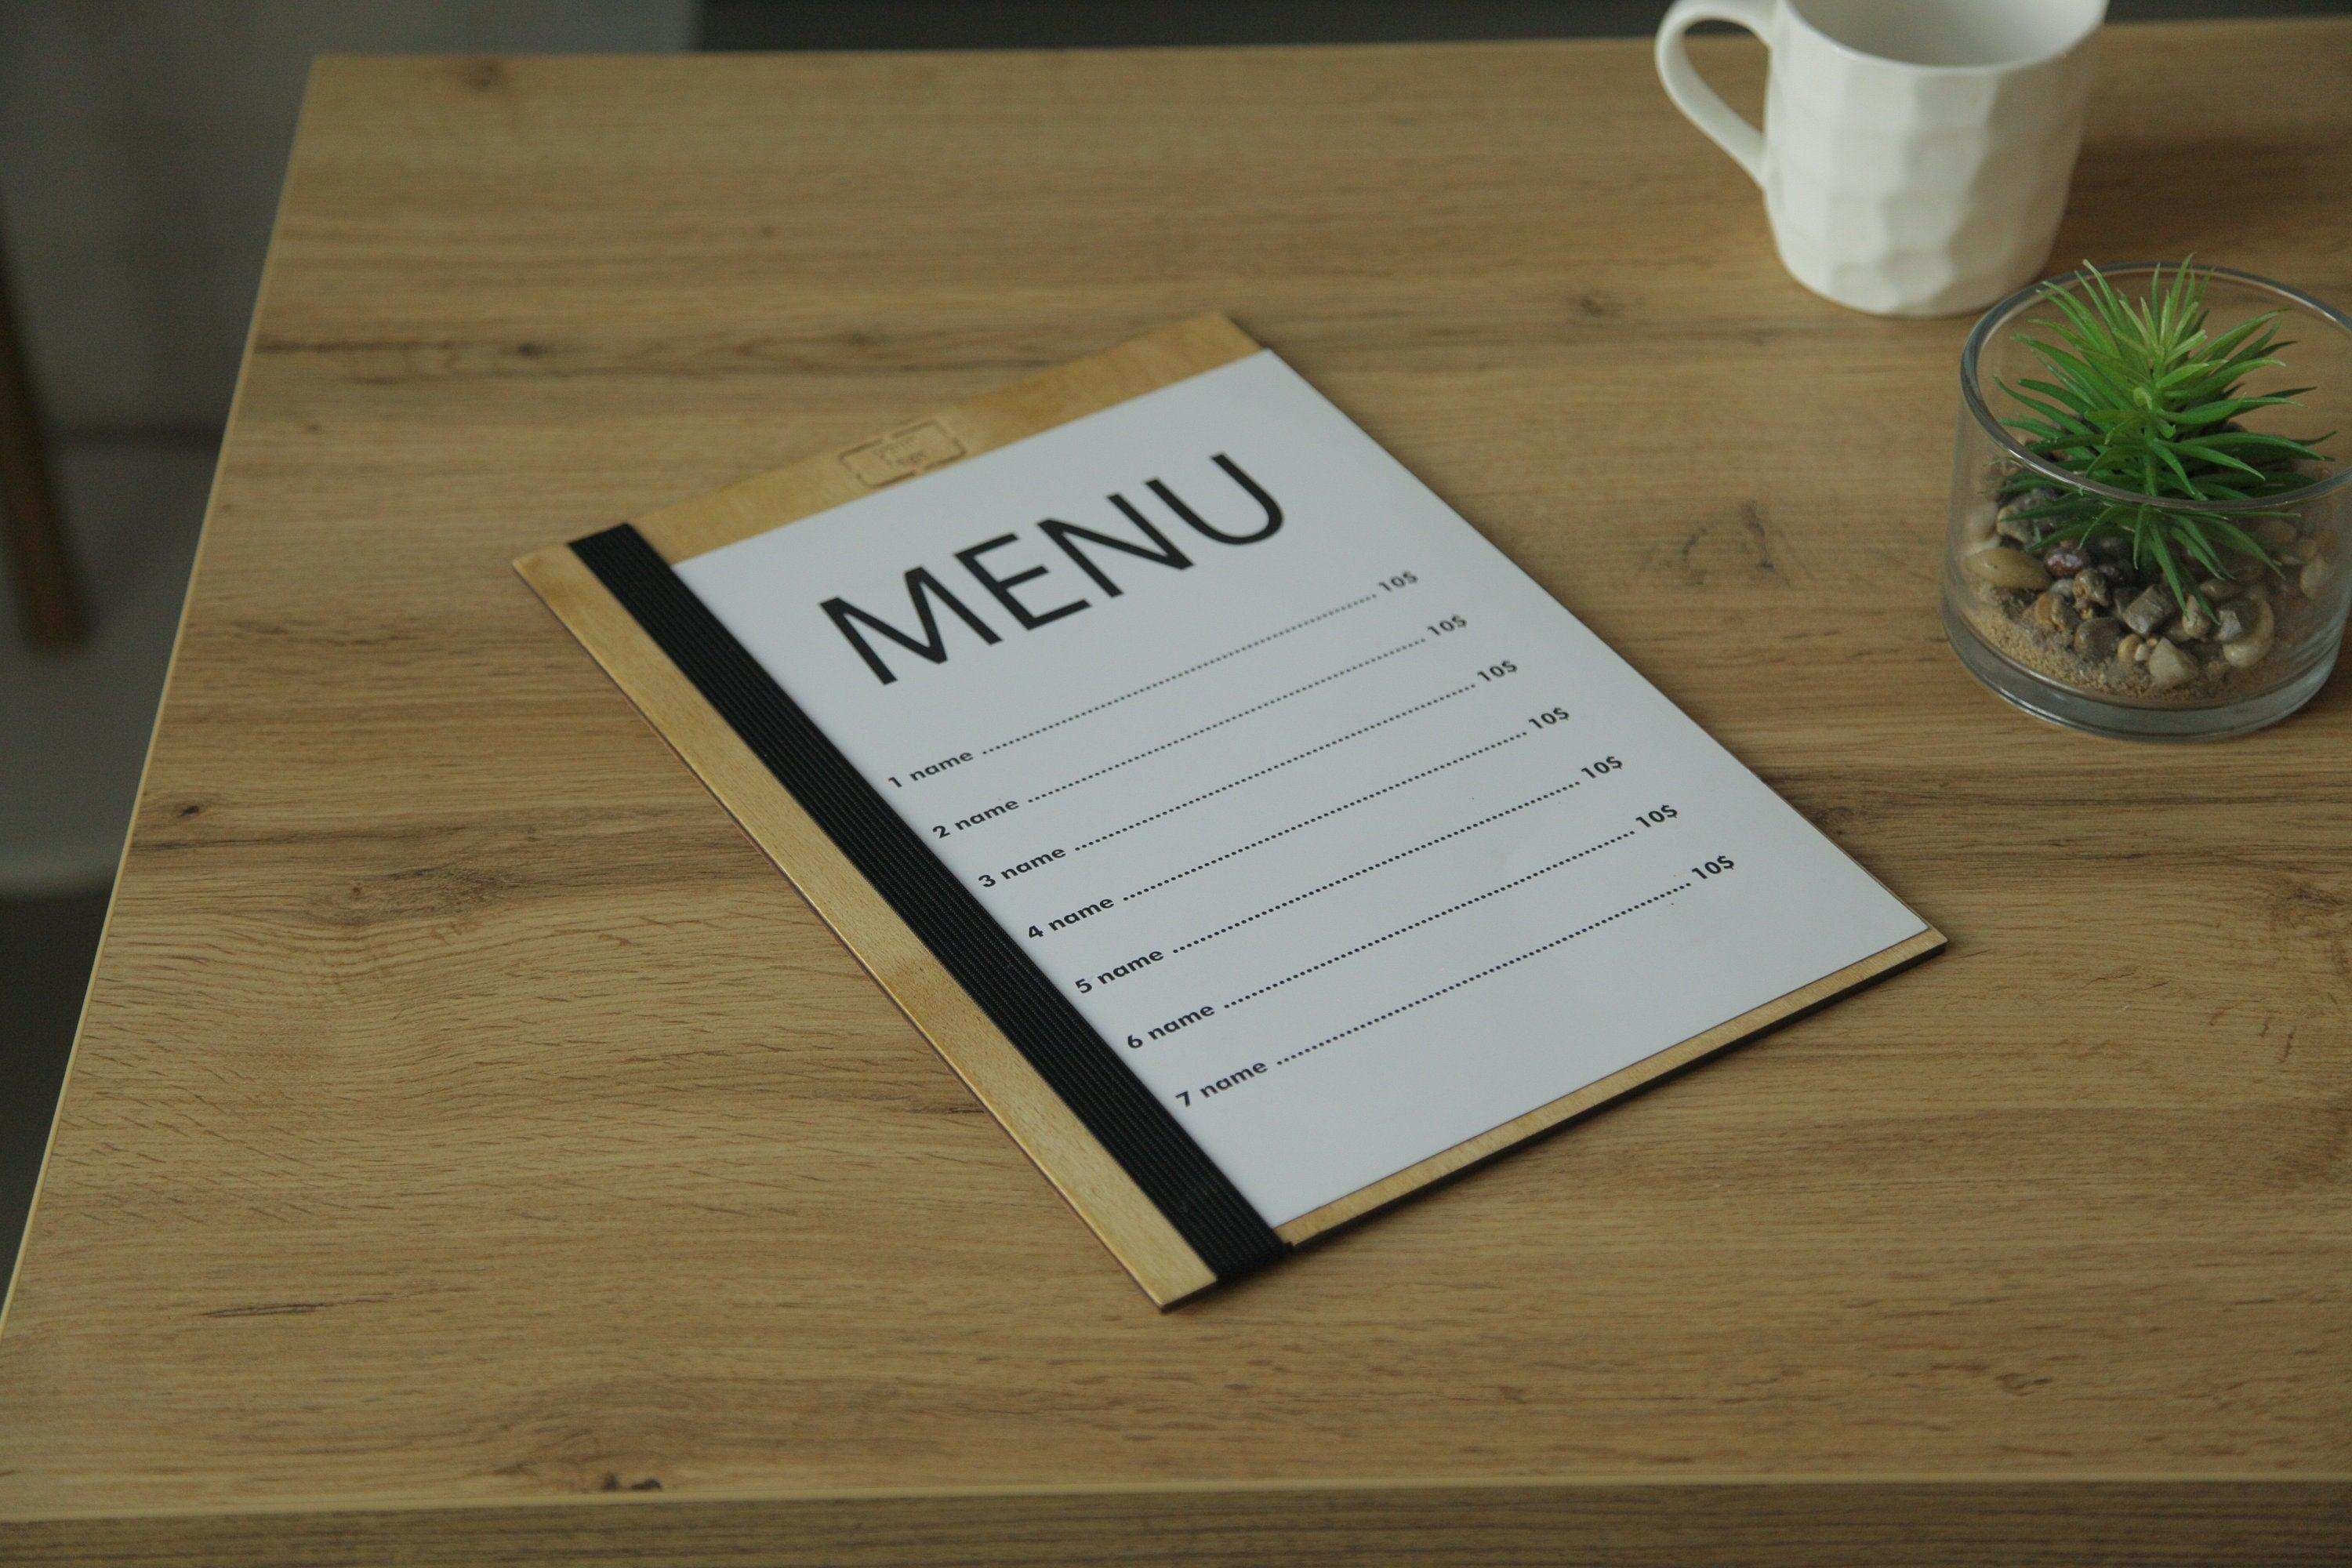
(75, 720)
(48, 944)
(73, 734)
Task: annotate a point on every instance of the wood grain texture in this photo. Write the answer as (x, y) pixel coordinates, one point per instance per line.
(1576, 1524)
(467, 1121)
(1085, 1173)
(821, 481)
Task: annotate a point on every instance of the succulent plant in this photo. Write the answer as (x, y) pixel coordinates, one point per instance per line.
(2139, 398)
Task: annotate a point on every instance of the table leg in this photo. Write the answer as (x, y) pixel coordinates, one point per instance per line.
(36, 540)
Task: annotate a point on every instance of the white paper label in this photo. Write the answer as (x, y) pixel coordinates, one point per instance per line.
(1347, 837)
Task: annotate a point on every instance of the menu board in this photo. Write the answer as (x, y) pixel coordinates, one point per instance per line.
(1299, 844)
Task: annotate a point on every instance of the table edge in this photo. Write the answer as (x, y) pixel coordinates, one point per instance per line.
(1803, 1523)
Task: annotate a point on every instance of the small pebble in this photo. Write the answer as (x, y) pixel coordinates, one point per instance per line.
(2004, 567)
(2196, 621)
(2024, 530)
(2127, 648)
(2238, 617)
(2065, 560)
(2147, 614)
(2096, 638)
(2090, 589)
(2251, 649)
(2314, 577)
(2009, 525)
(2168, 666)
(2274, 534)
(2054, 612)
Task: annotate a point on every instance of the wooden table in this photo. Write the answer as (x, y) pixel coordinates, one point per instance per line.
(475, 1150)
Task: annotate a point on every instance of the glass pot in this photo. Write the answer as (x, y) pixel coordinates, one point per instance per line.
(2102, 653)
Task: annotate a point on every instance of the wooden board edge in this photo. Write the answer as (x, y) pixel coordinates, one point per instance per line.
(1086, 1176)
(946, 437)
(1449, 1162)
(1976, 1522)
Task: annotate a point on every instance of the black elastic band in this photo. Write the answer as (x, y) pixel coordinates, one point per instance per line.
(1079, 1064)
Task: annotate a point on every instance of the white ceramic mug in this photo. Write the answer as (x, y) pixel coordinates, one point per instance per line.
(1915, 154)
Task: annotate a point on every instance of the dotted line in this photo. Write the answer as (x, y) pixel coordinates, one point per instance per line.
(1497, 969)
(1284, 764)
(1427, 919)
(1179, 675)
(1466, 827)
(1196, 734)
(1319, 816)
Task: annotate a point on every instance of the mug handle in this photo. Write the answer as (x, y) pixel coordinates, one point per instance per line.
(1700, 103)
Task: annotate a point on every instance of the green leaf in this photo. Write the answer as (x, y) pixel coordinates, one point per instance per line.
(2188, 485)
(2194, 542)
(2108, 390)
(2073, 399)
(2243, 440)
(2228, 409)
(2213, 454)
(2083, 323)
(2221, 347)
(2240, 540)
(2057, 415)
(2177, 303)
(2162, 550)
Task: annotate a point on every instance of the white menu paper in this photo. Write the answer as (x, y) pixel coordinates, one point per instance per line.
(1349, 839)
